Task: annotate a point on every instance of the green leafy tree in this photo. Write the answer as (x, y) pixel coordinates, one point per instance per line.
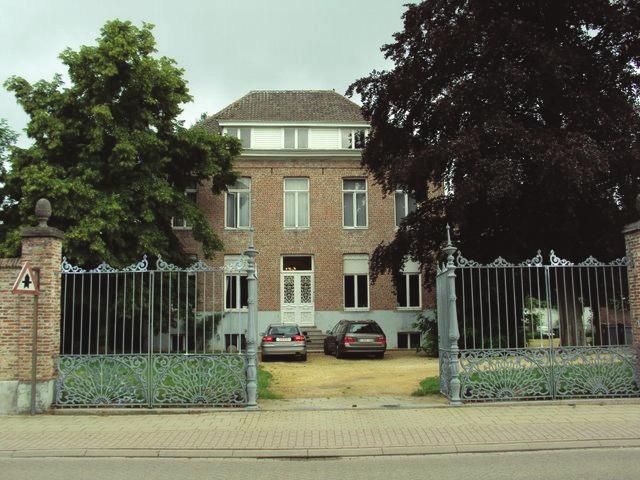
(522, 116)
(7, 140)
(111, 155)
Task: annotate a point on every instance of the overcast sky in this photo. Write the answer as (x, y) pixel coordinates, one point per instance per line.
(226, 47)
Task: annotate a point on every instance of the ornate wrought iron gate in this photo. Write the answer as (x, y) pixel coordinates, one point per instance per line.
(534, 330)
(151, 337)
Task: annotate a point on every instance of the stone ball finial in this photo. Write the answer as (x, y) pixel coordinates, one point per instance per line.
(43, 211)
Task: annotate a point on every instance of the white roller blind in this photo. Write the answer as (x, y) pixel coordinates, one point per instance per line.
(324, 138)
(266, 138)
(356, 264)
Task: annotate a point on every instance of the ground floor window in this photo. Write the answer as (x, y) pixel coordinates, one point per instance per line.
(235, 341)
(408, 340)
(408, 291)
(356, 281)
(356, 291)
(409, 286)
(236, 292)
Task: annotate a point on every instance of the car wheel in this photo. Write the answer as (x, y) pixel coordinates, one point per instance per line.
(304, 357)
(325, 349)
(265, 358)
(339, 354)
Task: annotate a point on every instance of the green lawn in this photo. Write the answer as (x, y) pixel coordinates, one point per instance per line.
(264, 384)
(428, 386)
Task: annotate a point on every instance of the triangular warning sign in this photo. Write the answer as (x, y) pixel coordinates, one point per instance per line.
(26, 282)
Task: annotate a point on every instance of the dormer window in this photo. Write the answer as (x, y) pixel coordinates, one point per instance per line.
(353, 138)
(242, 134)
(296, 138)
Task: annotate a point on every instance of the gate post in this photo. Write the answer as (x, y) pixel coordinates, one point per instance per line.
(632, 243)
(252, 311)
(28, 385)
(454, 332)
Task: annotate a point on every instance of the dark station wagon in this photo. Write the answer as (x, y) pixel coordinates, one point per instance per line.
(355, 337)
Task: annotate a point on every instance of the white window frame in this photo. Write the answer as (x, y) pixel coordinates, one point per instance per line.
(366, 204)
(284, 204)
(355, 293)
(239, 137)
(405, 279)
(185, 225)
(352, 132)
(351, 273)
(236, 279)
(405, 197)
(238, 190)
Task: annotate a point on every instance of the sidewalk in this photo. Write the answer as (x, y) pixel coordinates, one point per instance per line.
(326, 433)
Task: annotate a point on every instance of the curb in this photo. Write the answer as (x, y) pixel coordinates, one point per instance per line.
(311, 453)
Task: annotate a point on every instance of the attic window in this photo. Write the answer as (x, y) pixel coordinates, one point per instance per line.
(296, 138)
(352, 138)
(242, 134)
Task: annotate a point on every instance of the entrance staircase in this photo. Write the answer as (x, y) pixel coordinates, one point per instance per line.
(315, 338)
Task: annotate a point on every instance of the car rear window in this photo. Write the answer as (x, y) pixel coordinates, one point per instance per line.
(284, 330)
(364, 328)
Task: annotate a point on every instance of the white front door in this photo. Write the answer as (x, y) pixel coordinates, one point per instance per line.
(297, 298)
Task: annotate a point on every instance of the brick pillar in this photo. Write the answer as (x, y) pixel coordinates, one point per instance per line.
(42, 248)
(632, 242)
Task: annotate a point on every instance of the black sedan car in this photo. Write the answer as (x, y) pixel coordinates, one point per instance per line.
(355, 336)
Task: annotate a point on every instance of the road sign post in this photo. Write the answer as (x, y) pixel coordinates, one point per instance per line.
(27, 283)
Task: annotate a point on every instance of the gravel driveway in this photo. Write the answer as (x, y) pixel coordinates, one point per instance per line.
(398, 374)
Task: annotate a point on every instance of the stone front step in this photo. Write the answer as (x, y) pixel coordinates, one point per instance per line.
(315, 338)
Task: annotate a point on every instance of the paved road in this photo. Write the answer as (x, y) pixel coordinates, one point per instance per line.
(592, 464)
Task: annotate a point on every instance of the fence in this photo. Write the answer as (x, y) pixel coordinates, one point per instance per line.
(534, 329)
(154, 337)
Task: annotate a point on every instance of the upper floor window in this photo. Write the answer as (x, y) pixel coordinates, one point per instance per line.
(296, 138)
(182, 223)
(296, 202)
(409, 287)
(353, 138)
(242, 134)
(354, 200)
(405, 204)
(238, 204)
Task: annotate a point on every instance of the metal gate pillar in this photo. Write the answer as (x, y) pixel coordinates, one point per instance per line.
(454, 332)
(252, 307)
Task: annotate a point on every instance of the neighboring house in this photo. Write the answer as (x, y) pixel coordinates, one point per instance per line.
(317, 217)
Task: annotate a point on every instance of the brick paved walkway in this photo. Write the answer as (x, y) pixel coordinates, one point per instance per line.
(374, 431)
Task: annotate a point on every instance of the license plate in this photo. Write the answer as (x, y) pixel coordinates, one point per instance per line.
(278, 339)
(368, 340)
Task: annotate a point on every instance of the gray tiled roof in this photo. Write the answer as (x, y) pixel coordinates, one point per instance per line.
(292, 105)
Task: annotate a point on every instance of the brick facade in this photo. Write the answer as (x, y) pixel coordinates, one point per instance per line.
(326, 240)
